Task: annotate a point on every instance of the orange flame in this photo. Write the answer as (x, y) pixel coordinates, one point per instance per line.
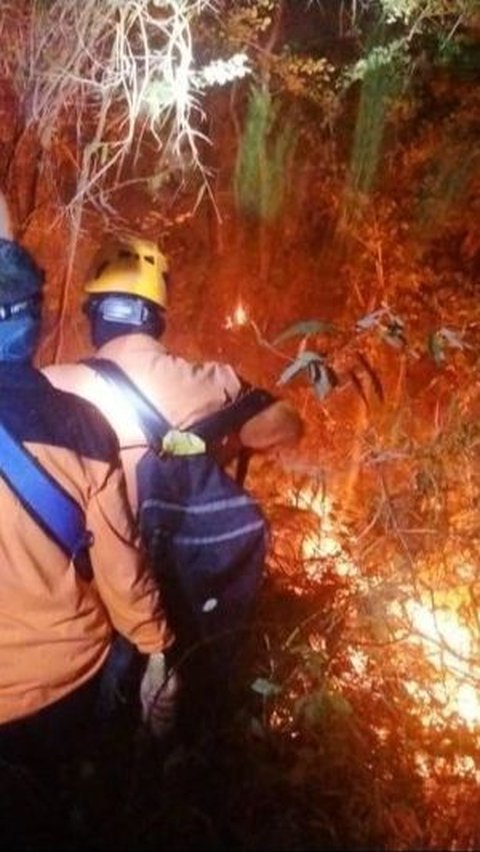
(443, 638)
(239, 317)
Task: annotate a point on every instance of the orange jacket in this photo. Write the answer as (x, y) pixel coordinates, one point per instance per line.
(183, 391)
(55, 628)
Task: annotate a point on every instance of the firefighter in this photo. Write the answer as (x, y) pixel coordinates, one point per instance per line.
(72, 578)
(126, 301)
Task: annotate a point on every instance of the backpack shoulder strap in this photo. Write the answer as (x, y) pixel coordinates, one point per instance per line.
(48, 503)
(154, 425)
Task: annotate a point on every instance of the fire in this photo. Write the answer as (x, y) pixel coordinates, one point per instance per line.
(447, 642)
(468, 704)
(239, 317)
(448, 645)
(325, 543)
(435, 625)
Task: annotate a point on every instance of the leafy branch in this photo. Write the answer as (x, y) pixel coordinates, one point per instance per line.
(327, 366)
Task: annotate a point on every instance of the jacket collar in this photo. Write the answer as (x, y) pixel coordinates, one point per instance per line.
(129, 343)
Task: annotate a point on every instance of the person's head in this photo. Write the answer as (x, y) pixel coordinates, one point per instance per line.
(21, 283)
(127, 291)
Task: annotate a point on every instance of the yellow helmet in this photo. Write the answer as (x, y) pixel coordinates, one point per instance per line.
(132, 266)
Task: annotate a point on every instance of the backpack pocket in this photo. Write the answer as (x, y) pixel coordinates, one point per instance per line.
(206, 537)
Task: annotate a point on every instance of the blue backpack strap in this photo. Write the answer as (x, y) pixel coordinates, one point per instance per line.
(151, 421)
(46, 501)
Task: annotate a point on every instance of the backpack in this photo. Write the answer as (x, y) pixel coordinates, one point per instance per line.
(205, 534)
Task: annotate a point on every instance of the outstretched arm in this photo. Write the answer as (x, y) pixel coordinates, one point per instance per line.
(276, 427)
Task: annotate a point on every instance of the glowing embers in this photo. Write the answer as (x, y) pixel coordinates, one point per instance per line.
(238, 318)
(324, 546)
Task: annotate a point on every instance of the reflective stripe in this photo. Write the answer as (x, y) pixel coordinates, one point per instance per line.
(213, 506)
(9, 311)
(213, 539)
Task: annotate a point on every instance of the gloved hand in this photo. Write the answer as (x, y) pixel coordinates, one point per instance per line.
(159, 692)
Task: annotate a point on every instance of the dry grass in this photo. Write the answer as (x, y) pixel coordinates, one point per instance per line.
(101, 77)
(123, 70)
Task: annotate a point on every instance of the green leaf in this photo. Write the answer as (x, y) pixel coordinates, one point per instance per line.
(451, 338)
(324, 379)
(304, 328)
(104, 153)
(339, 704)
(394, 335)
(394, 340)
(370, 320)
(436, 348)
(265, 687)
(311, 709)
(301, 363)
(256, 728)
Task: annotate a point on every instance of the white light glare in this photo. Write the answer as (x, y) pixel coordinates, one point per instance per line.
(222, 71)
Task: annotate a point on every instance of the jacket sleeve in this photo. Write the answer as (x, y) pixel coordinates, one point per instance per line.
(125, 585)
(278, 426)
